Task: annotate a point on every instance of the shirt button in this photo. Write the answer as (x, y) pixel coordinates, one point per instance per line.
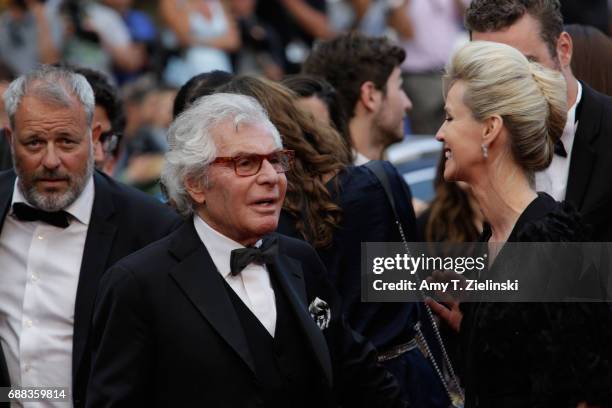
(34, 277)
(40, 237)
(28, 323)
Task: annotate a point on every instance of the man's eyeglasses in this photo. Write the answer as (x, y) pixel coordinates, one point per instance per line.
(250, 164)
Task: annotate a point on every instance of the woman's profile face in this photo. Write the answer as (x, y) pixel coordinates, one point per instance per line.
(462, 138)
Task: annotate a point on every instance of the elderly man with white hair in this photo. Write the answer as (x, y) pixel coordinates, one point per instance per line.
(62, 224)
(224, 312)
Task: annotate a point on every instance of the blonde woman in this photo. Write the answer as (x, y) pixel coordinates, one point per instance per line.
(504, 115)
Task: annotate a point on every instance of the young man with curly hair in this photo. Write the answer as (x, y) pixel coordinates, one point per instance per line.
(366, 73)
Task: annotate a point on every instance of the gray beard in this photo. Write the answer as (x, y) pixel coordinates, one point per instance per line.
(55, 201)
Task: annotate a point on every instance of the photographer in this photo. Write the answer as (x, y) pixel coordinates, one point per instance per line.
(30, 34)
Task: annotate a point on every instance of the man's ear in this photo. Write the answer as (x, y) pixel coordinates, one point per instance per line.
(96, 131)
(565, 49)
(492, 130)
(196, 190)
(369, 96)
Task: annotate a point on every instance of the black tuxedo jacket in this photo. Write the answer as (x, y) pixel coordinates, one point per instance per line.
(589, 188)
(123, 220)
(6, 162)
(167, 334)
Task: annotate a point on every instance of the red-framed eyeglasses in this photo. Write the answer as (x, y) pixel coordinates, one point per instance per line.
(250, 164)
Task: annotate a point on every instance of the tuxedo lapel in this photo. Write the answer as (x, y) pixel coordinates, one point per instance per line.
(583, 155)
(288, 272)
(98, 244)
(199, 280)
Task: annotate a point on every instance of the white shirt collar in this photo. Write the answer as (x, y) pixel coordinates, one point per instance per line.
(553, 179)
(80, 209)
(359, 158)
(218, 245)
(567, 138)
(578, 99)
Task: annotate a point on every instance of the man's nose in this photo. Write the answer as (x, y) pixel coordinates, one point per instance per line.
(268, 173)
(407, 103)
(51, 160)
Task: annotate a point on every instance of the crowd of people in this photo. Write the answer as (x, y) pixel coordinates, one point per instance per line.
(148, 50)
(253, 135)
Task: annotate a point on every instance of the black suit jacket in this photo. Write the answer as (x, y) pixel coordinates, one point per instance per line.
(588, 186)
(123, 220)
(167, 333)
(6, 161)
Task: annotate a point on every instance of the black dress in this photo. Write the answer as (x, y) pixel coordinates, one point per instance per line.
(367, 217)
(537, 354)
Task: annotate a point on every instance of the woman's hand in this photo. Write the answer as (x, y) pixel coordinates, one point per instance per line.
(449, 312)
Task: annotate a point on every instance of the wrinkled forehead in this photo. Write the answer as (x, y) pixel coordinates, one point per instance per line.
(44, 96)
(241, 137)
(40, 107)
(50, 92)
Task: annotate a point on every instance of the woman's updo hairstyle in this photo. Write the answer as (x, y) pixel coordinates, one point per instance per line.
(530, 99)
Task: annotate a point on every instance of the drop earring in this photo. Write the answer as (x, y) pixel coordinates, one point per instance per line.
(485, 151)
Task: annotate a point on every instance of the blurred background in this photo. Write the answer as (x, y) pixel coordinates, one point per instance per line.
(148, 49)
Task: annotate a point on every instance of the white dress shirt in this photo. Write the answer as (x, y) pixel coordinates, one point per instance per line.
(553, 180)
(39, 274)
(360, 159)
(252, 285)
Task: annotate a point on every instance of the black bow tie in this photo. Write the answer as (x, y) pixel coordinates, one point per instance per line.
(560, 149)
(241, 257)
(24, 212)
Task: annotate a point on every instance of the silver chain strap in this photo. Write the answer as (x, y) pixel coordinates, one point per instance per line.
(457, 398)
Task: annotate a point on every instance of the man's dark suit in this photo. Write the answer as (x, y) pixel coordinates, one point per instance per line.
(6, 162)
(588, 186)
(168, 333)
(123, 220)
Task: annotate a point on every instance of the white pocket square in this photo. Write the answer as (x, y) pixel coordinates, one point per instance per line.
(320, 312)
